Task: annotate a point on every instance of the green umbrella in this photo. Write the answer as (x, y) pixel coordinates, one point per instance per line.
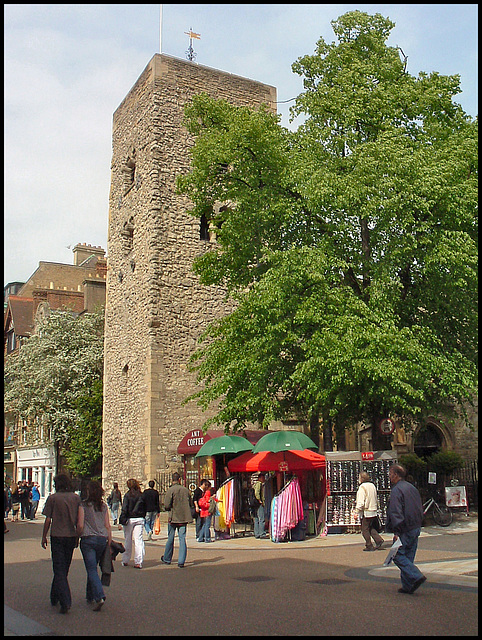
(224, 444)
(284, 441)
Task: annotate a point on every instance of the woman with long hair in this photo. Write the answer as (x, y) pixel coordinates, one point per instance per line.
(132, 518)
(93, 527)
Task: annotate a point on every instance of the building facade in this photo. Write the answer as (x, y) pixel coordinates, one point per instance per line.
(77, 287)
(155, 307)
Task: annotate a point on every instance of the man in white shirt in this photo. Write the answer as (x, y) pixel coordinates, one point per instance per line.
(367, 505)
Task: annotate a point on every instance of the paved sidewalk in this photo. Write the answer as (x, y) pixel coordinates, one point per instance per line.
(451, 572)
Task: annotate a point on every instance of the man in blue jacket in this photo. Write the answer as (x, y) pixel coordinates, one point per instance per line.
(404, 519)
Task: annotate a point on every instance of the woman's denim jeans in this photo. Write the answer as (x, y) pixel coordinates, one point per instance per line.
(92, 548)
(114, 511)
(205, 533)
(404, 559)
(168, 551)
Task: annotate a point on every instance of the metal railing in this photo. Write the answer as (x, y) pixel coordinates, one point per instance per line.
(467, 475)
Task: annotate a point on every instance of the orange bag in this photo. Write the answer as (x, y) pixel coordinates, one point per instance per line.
(157, 525)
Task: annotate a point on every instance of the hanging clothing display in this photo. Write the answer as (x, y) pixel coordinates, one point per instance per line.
(225, 496)
(286, 510)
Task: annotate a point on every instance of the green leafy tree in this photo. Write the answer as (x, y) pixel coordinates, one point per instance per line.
(413, 463)
(46, 383)
(445, 462)
(350, 245)
(84, 452)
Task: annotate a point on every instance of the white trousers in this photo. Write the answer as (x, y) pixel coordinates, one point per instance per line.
(133, 531)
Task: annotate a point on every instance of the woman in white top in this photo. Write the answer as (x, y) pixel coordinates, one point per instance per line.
(367, 507)
(93, 526)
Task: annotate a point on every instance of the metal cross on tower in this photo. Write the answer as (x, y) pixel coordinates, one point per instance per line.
(191, 54)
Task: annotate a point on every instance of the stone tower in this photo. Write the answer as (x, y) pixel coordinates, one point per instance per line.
(155, 307)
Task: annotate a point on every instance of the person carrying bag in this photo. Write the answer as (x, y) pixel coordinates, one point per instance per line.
(132, 518)
(367, 507)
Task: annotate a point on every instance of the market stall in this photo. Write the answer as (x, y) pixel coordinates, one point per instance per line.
(294, 486)
(342, 469)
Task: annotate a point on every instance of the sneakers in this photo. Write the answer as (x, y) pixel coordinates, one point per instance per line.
(98, 604)
(164, 561)
(379, 545)
(369, 549)
(137, 566)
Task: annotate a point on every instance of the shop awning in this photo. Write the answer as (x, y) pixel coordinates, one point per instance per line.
(224, 444)
(277, 461)
(196, 438)
(284, 441)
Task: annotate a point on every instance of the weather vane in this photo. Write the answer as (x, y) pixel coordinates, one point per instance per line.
(191, 54)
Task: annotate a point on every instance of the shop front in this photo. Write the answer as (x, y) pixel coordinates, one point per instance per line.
(37, 465)
(212, 467)
(195, 469)
(342, 470)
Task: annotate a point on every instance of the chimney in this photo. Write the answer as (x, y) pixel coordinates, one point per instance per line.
(83, 251)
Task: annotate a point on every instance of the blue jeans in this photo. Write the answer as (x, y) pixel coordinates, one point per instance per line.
(33, 509)
(171, 532)
(205, 533)
(62, 549)
(114, 511)
(259, 522)
(149, 521)
(404, 559)
(92, 548)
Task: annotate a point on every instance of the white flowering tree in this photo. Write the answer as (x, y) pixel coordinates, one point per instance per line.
(49, 382)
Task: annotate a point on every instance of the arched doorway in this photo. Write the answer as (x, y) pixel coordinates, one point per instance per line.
(428, 439)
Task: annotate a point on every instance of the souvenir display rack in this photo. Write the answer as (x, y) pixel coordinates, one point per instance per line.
(342, 469)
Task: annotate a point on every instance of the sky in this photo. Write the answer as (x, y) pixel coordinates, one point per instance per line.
(67, 67)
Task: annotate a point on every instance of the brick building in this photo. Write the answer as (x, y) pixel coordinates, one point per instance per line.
(78, 287)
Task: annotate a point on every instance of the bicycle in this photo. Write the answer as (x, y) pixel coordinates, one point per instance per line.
(441, 513)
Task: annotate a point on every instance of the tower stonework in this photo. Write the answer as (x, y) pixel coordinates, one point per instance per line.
(156, 308)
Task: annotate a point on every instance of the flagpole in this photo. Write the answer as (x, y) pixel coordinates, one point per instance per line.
(160, 28)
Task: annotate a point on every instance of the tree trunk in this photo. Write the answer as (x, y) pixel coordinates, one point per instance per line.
(315, 428)
(328, 434)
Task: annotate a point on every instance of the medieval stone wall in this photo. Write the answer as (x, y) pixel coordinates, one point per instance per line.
(155, 308)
